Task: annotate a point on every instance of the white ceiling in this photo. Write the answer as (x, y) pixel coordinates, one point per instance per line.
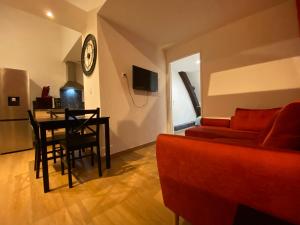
(166, 22)
(87, 5)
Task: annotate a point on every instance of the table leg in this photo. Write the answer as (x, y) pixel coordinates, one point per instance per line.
(107, 145)
(44, 160)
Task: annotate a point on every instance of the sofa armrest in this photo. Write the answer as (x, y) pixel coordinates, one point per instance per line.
(215, 122)
(264, 179)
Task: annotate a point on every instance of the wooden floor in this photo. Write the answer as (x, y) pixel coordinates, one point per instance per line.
(127, 194)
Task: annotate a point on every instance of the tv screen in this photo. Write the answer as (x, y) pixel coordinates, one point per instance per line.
(143, 79)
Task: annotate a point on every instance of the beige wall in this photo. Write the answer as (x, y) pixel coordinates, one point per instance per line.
(79, 73)
(130, 126)
(35, 45)
(232, 72)
(91, 83)
(68, 40)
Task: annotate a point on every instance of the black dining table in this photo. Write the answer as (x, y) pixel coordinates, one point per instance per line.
(58, 123)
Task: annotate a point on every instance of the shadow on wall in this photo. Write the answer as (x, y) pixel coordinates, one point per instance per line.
(35, 91)
(272, 26)
(263, 99)
(148, 49)
(126, 130)
(130, 126)
(144, 53)
(261, 54)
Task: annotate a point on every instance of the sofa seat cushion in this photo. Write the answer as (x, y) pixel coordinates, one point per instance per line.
(285, 132)
(230, 141)
(220, 132)
(236, 141)
(252, 119)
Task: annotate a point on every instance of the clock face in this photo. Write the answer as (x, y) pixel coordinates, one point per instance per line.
(89, 55)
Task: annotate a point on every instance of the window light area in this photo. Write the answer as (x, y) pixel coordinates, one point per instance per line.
(280, 74)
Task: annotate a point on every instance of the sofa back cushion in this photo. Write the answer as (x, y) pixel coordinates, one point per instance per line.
(215, 122)
(252, 119)
(285, 132)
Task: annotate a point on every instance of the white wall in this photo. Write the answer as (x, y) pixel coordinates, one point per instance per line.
(271, 37)
(194, 78)
(130, 126)
(35, 45)
(182, 107)
(281, 74)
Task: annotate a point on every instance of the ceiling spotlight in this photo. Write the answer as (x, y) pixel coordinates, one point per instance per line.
(198, 62)
(49, 14)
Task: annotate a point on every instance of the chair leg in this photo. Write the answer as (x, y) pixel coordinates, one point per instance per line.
(69, 169)
(54, 153)
(62, 165)
(53, 147)
(176, 219)
(38, 164)
(35, 156)
(92, 156)
(99, 161)
(73, 158)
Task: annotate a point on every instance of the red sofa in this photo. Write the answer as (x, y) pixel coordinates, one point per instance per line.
(247, 127)
(206, 176)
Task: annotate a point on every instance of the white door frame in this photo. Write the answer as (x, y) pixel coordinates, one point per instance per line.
(170, 127)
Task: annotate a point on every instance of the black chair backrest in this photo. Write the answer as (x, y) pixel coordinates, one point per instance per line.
(78, 122)
(34, 125)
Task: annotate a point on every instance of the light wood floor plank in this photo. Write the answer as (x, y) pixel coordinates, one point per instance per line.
(127, 194)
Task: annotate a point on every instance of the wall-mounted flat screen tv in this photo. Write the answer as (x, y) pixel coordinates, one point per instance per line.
(143, 79)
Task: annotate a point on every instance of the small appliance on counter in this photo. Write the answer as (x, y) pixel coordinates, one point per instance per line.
(15, 130)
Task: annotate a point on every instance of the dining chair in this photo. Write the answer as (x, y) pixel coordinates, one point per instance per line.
(80, 134)
(52, 141)
(56, 113)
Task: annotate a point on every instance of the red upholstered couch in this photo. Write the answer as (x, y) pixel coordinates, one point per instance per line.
(247, 126)
(206, 177)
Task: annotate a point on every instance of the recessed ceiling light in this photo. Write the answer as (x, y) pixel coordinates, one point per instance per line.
(49, 14)
(198, 62)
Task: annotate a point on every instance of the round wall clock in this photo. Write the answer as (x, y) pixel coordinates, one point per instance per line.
(89, 54)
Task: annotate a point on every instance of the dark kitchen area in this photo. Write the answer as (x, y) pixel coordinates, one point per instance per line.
(71, 93)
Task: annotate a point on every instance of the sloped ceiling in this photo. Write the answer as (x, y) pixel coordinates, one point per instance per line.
(65, 13)
(160, 22)
(166, 22)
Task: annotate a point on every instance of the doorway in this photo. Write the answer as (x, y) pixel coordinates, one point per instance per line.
(185, 92)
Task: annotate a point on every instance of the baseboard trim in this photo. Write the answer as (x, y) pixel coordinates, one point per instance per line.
(17, 151)
(117, 154)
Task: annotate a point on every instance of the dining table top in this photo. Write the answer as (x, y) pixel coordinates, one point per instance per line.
(61, 122)
(54, 119)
